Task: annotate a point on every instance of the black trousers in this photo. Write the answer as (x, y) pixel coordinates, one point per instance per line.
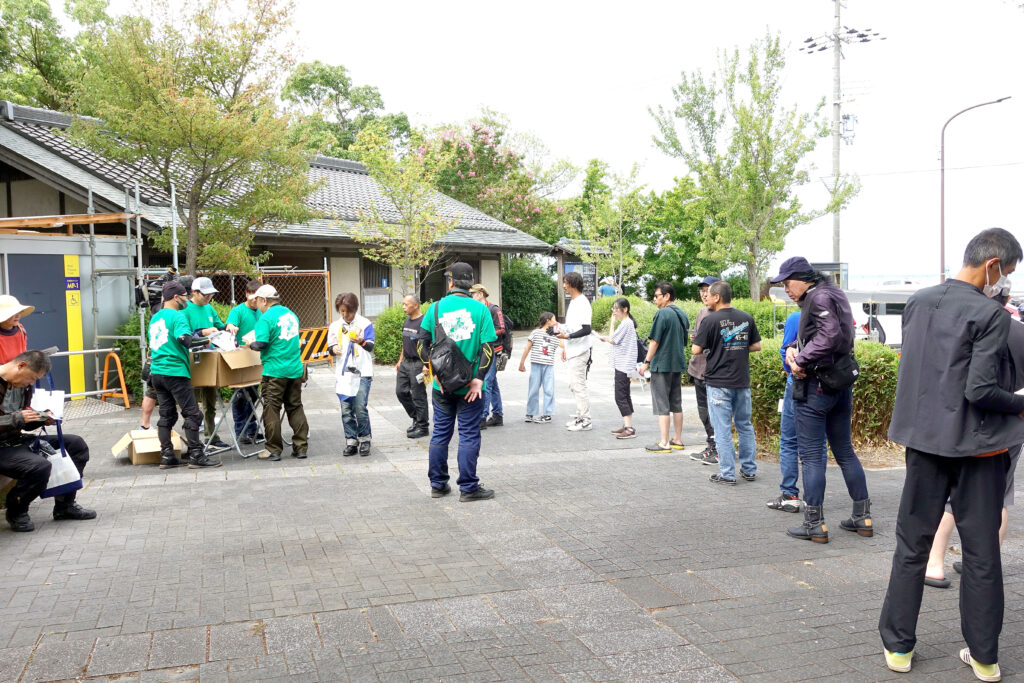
(172, 394)
(412, 394)
(623, 398)
(975, 488)
(33, 470)
(701, 388)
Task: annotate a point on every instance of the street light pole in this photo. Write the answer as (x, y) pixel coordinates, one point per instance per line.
(942, 185)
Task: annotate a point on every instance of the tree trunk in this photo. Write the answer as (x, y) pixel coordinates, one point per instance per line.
(192, 240)
(754, 279)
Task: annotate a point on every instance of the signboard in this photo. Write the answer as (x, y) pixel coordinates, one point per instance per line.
(313, 345)
(589, 273)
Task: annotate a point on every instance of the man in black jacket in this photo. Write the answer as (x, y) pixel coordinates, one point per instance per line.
(18, 460)
(956, 421)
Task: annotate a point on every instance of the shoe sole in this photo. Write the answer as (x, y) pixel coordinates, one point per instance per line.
(625, 436)
(815, 539)
(726, 482)
(203, 467)
(585, 428)
(784, 509)
(965, 657)
(650, 450)
(895, 667)
(171, 467)
(746, 478)
(474, 499)
(439, 493)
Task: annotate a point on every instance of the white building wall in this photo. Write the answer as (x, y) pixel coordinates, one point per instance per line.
(490, 277)
(344, 277)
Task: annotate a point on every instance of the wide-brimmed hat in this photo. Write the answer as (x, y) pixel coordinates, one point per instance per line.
(10, 307)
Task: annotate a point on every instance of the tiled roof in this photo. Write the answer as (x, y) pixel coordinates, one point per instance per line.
(347, 187)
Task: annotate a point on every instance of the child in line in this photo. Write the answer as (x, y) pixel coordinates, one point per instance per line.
(624, 357)
(540, 347)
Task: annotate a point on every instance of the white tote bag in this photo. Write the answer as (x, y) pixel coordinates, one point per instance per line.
(64, 476)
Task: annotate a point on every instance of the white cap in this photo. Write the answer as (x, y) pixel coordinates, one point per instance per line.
(204, 285)
(267, 292)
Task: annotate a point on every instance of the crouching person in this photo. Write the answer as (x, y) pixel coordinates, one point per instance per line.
(170, 337)
(18, 459)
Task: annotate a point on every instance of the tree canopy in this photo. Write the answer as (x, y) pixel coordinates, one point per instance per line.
(744, 148)
(190, 98)
(332, 111)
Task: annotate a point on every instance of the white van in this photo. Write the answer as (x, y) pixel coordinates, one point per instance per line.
(877, 315)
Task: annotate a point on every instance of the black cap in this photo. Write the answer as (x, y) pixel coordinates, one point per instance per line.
(172, 289)
(460, 271)
(797, 265)
(709, 280)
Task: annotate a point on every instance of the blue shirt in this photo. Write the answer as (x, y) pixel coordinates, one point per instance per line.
(788, 337)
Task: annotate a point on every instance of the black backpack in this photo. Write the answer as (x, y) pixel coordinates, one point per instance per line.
(506, 340)
(452, 370)
(641, 350)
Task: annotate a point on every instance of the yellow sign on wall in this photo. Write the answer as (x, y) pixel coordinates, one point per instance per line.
(73, 306)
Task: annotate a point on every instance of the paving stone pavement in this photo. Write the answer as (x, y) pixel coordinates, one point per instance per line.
(595, 561)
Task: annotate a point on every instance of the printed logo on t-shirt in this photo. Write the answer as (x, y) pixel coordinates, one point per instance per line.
(458, 325)
(157, 334)
(734, 336)
(289, 325)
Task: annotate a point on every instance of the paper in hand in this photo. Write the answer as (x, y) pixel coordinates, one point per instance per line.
(225, 341)
(52, 401)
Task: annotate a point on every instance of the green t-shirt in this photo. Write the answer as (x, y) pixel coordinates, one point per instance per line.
(670, 329)
(167, 356)
(467, 322)
(244, 318)
(201, 317)
(279, 327)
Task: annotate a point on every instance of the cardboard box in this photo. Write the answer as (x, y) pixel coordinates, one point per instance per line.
(144, 446)
(225, 368)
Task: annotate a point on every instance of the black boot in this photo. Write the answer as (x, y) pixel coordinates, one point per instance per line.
(860, 521)
(168, 460)
(65, 507)
(19, 521)
(197, 457)
(813, 528)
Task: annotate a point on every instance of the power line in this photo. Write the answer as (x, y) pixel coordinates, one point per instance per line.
(932, 170)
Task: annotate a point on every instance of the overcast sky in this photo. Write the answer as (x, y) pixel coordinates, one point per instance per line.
(581, 75)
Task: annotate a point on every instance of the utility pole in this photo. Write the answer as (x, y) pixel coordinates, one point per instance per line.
(837, 94)
(834, 41)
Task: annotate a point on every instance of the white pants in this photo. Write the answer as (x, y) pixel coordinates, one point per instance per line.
(578, 383)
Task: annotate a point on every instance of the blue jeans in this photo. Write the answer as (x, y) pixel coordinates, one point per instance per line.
(789, 463)
(828, 415)
(449, 409)
(728, 407)
(354, 415)
(541, 377)
(241, 411)
(492, 393)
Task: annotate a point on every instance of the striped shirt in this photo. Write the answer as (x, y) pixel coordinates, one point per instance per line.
(544, 346)
(624, 347)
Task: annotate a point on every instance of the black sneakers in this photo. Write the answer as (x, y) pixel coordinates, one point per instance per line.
(495, 420)
(786, 503)
(479, 493)
(440, 492)
(20, 521)
(350, 449)
(719, 479)
(72, 510)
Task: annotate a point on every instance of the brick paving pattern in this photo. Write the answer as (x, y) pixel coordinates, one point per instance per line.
(596, 561)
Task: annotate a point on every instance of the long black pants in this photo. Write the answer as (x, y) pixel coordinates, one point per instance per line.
(701, 388)
(412, 394)
(975, 488)
(172, 394)
(623, 397)
(287, 392)
(33, 470)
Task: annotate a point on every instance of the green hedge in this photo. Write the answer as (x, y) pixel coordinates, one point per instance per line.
(387, 330)
(527, 290)
(873, 394)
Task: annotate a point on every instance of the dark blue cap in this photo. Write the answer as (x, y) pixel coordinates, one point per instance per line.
(793, 266)
(709, 280)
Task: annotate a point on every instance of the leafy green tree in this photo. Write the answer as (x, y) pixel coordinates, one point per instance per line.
(407, 236)
(745, 149)
(190, 98)
(39, 64)
(333, 111)
(679, 223)
(484, 166)
(613, 214)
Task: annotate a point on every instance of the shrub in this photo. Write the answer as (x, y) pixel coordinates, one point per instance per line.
(387, 330)
(527, 290)
(131, 363)
(874, 393)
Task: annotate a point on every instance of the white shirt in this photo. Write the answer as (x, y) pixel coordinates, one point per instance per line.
(359, 358)
(578, 315)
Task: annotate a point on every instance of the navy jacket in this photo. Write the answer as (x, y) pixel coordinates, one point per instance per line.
(826, 326)
(955, 395)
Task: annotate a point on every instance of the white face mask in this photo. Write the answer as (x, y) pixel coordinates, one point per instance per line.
(997, 289)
